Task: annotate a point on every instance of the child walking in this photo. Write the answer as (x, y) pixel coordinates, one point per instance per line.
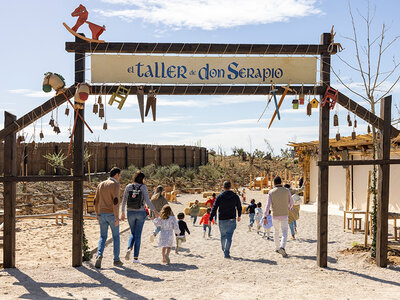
(252, 210)
(258, 216)
(205, 220)
(267, 226)
(168, 225)
(194, 211)
(180, 238)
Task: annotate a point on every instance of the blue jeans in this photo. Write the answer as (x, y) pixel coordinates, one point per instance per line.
(226, 228)
(106, 220)
(136, 221)
(292, 226)
(194, 219)
(251, 219)
(205, 229)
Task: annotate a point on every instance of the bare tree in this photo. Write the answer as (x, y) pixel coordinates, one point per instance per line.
(371, 55)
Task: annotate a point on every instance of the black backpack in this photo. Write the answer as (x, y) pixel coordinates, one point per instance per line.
(135, 197)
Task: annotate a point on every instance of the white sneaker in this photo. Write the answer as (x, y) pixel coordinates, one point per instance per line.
(128, 254)
(136, 261)
(152, 236)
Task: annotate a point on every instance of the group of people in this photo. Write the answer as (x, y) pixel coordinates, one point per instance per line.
(172, 231)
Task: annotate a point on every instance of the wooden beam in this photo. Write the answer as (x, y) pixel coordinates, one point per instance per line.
(208, 89)
(199, 48)
(364, 114)
(36, 178)
(10, 194)
(37, 113)
(383, 185)
(79, 139)
(323, 170)
(370, 162)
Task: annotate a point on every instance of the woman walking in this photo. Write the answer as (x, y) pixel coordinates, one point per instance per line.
(135, 197)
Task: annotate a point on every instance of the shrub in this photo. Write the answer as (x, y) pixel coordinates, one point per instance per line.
(127, 174)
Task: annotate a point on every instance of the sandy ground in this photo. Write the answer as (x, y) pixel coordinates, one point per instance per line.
(199, 271)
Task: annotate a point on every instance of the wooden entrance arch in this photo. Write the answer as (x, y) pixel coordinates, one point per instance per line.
(80, 47)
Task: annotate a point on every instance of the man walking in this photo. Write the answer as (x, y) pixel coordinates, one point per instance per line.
(107, 202)
(227, 203)
(280, 200)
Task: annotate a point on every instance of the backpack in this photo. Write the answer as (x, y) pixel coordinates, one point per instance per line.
(135, 197)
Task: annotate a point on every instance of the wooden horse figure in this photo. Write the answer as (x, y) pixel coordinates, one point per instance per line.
(82, 15)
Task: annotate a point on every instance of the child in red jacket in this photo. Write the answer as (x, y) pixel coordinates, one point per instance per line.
(205, 220)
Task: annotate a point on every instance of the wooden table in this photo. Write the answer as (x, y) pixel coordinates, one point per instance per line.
(353, 213)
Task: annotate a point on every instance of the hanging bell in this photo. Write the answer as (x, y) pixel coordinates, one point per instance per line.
(338, 136)
(353, 135)
(309, 109)
(105, 126)
(51, 122)
(335, 120)
(95, 108)
(101, 111)
(67, 111)
(355, 123)
(348, 118)
(350, 123)
(41, 135)
(99, 100)
(369, 129)
(22, 138)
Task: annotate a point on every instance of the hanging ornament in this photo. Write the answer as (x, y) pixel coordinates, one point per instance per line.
(81, 94)
(314, 103)
(338, 136)
(309, 109)
(151, 103)
(105, 126)
(119, 96)
(301, 96)
(51, 122)
(67, 111)
(41, 135)
(353, 135)
(369, 129)
(295, 104)
(53, 81)
(349, 120)
(140, 97)
(101, 111)
(335, 120)
(355, 122)
(95, 107)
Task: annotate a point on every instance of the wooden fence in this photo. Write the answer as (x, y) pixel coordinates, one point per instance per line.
(106, 155)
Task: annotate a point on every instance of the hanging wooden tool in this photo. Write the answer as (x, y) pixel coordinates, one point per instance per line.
(276, 113)
(119, 96)
(330, 97)
(151, 103)
(140, 97)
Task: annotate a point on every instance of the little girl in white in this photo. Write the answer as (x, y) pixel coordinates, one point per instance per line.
(169, 227)
(258, 216)
(267, 226)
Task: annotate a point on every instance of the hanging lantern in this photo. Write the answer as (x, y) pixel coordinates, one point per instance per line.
(314, 103)
(338, 136)
(309, 109)
(101, 111)
(81, 94)
(67, 111)
(353, 135)
(295, 104)
(369, 129)
(41, 135)
(301, 99)
(105, 126)
(335, 120)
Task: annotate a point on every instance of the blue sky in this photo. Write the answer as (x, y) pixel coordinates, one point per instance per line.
(34, 42)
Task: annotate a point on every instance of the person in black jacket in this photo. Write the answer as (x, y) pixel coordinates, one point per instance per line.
(227, 203)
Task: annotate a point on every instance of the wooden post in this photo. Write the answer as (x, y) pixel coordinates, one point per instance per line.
(10, 194)
(323, 170)
(160, 155)
(79, 139)
(347, 188)
(366, 223)
(88, 165)
(143, 156)
(126, 157)
(271, 184)
(185, 156)
(383, 184)
(173, 154)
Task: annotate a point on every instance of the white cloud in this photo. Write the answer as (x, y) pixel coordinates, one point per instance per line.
(229, 123)
(136, 120)
(32, 93)
(209, 14)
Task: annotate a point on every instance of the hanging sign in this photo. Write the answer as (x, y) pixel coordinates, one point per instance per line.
(156, 69)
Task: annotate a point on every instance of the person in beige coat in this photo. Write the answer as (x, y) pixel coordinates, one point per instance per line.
(158, 200)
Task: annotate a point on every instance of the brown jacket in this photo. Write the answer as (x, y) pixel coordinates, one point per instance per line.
(107, 199)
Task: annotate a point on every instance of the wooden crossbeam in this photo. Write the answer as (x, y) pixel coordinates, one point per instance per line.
(37, 113)
(359, 162)
(200, 48)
